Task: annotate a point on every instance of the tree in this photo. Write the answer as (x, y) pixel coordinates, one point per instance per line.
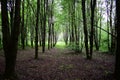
(93, 4)
(108, 29)
(10, 38)
(85, 29)
(50, 24)
(112, 29)
(117, 65)
(23, 27)
(36, 29)
(44, 25)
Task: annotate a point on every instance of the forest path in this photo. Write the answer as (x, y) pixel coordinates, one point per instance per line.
(62, 64)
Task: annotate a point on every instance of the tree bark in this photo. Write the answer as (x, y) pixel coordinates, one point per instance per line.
(10, 39)
(44, 27)
(36, 29)
(117, 65)
(85, 28)
(93, 4)
(23, 28)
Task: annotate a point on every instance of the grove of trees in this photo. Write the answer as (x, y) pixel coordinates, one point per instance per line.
(86, 25)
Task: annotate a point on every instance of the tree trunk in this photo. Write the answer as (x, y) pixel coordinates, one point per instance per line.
(108, 37)
(93, 4)
(10, 39)
(23, 28)
(44, 27)
(85, 28)
(117, 65)
(36, 29)
(112, 48)
(49, 27)
(100, 23)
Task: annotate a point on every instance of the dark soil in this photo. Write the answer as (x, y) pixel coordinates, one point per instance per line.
(62, 64)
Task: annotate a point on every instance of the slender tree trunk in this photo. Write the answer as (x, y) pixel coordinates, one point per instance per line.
(66, 35)
(31, 29)
(32, 35)
(51, 38)
(44, 27)
(49, 26)
(23, 28)
(53, 34)
(85, 28)
(108, 37)
(49, 35)
(26, 24)
(41, 22)
(93, 4)
(96, 33)
(36, 29)
(112, 29)
(72, 22)
(100, 23)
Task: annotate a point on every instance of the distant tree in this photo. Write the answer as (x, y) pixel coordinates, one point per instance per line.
(50, 22)
(23, 26)
(30, 11)
(100, 23)
(112, 29)
(10, 38)
(36, 29)
(108, 28)
(44, 25)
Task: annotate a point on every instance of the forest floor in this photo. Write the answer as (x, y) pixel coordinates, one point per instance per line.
(62, 64)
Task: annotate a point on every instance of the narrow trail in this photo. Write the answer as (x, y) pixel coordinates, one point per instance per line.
(62, 64)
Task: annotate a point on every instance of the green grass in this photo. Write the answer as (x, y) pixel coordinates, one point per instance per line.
(60, 45)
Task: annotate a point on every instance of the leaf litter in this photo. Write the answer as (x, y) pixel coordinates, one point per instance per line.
(57, 64)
